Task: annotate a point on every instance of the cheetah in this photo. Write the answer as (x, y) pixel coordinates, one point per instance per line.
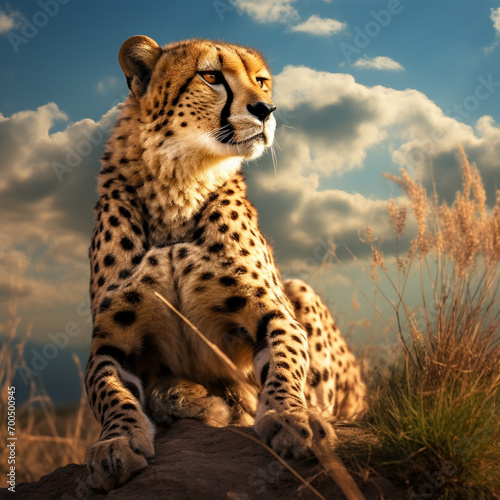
(173, 218)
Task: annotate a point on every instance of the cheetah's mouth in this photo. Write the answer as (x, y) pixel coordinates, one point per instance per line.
(257, 137)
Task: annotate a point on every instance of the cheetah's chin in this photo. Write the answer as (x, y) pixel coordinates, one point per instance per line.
(257, 137)
(253, 147)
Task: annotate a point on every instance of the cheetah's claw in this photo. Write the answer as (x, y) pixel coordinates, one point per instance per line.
(292, 434)
(113, 462)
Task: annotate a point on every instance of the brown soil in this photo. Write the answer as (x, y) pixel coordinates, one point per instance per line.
(195, 461)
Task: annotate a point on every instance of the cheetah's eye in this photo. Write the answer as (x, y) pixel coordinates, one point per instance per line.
(212, 77)
(262, 82)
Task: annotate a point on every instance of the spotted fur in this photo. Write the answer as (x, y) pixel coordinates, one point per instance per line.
(173, 218)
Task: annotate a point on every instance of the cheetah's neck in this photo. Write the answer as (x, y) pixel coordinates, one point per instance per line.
(173, 183)
(184, 180)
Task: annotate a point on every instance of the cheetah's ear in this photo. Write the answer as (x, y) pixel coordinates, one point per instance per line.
(138, 56)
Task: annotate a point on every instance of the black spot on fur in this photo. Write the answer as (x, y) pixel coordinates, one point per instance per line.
(147, 280)
(126, 243)
(124, 274)
(124, 212)
(124, 318)
(129, 406)
(188, 269)
(215, 248)
(314, 377)
(276, 333)
(105, 304)
(137, 259)
(198, 233)
(228, 281)
(133, 297)
(264, 374)
(114, 221)
(235, 304)
(262, 326)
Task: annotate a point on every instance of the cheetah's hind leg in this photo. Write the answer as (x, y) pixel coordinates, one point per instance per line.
(334, 384)
(172, 397)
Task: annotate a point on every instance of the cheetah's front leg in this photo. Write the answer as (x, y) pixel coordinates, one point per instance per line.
(123, 358)
(126, 440)
(282, 362)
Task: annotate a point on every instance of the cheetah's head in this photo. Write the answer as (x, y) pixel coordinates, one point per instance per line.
(209, 97)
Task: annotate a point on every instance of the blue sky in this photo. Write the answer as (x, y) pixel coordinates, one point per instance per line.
(440, 45)
(362, 87)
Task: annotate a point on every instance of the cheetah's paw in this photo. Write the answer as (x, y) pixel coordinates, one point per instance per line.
(113, 462)
(293, 433)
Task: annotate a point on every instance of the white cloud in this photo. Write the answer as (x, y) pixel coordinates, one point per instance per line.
(268, 11)
(46, 219)
(316, 25)
(106, 83)
(495, 17)
(334, 123)
(487, 50)
(9, 21)
(379, 62)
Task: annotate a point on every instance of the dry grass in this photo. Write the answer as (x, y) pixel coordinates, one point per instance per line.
(47, 438)
(439, 411)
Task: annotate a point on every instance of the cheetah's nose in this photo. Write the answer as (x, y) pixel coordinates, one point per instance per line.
(261, 110)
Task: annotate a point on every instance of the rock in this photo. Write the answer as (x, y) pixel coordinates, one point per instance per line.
(195, 461)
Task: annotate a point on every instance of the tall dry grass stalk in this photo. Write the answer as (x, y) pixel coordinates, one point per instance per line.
(444, 405)
(457, 250)
(47, 437)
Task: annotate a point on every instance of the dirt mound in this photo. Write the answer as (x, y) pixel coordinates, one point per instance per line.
(195, 461)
